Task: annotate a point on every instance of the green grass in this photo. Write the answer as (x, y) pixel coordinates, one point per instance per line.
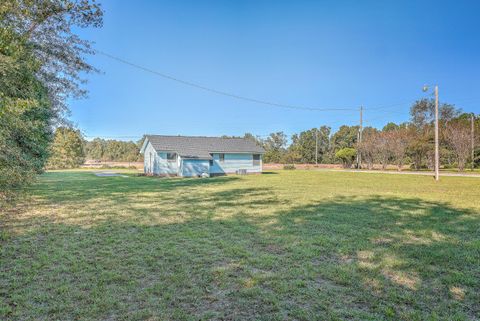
(287, 245)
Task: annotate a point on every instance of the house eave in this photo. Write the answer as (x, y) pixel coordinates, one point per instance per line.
(234, 152)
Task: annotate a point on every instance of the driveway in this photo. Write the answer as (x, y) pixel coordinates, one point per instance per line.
(465, 174)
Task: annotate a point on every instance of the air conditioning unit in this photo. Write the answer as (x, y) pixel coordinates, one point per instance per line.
(241, 172)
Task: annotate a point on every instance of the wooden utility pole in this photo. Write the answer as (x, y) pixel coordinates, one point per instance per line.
(316, 146)
(360, 130)
(437, 154)
(473, 140)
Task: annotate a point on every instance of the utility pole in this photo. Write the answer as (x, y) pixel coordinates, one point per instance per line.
(437, 154)
(316, 146)
(360, 130)
(473, 140)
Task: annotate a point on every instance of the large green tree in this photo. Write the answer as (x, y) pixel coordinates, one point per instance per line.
(345, 137)
(308, 142)
(41, 63)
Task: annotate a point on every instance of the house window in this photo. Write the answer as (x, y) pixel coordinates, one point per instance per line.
(172, 157)
(256, 159)
(211, 162)
(221, 157)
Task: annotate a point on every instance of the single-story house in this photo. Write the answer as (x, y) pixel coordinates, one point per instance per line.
(196, 156)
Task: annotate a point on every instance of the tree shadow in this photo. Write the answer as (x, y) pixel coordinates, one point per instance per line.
(79, 187)
(231, 254)
(408, 257)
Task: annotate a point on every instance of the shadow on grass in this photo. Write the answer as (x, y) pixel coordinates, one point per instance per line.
(77, 186)
(342, 258)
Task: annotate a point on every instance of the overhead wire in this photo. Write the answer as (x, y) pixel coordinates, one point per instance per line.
(217, 91)
(380, 109)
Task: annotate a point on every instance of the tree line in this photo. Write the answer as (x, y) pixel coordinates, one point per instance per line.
(69, 149)
(410, 143)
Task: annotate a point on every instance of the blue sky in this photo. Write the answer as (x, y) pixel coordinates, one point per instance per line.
(320, 54)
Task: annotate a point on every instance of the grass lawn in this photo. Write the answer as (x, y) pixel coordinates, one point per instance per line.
(286, 245)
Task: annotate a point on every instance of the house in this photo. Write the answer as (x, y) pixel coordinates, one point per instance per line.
(189, 156)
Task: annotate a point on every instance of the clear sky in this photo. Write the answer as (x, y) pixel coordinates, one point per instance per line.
(319, 54)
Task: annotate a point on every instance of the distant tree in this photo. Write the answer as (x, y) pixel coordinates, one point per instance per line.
(368, 147)
(95, 149)
(291, 156)
(113, 150)
(346, 136)
(347, 156)
(390, 126)
(399, 141)
(253, 138)
(304, 144)
(67, 150)
(459, 137)
(422, 112)
(275, 147)
(383, 150)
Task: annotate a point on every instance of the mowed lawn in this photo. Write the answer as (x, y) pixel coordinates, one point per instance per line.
(286, 245)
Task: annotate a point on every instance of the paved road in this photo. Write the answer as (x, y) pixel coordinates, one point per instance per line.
(466, 174)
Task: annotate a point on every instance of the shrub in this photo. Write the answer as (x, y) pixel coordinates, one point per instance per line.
(289, 166)
(347, 156)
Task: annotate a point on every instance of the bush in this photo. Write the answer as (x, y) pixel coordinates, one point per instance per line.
(289, 166)
(347, 156)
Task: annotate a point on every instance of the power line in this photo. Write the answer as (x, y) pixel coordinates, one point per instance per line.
(216, 91)
(244, 98)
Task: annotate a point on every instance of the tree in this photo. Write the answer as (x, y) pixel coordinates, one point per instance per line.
(95, 149)
(253, 138)
(304, 144)
(382, 148)
(399, 140)
(346, 136)
(390, 126)
(368, 146)
(275, 147)
(459, 137)
(46, 28)
(422, 115)
(422, 112)
(41, 61)
(24, 138)
(292, 156)
(347, 156)
(67, 149)
(113, 150)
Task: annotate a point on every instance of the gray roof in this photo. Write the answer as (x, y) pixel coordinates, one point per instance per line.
(201, 147)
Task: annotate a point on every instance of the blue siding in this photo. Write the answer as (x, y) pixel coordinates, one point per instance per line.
(194, 167)
(234, 162)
